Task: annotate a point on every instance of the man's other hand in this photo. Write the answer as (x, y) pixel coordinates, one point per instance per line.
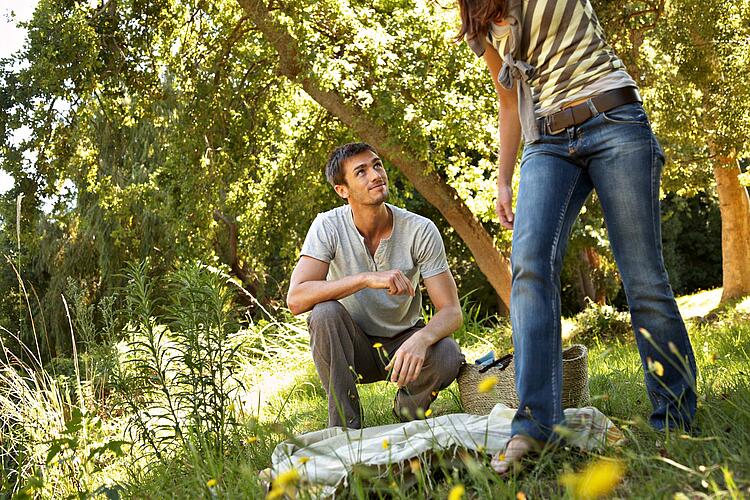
(408, 360)
(394, 280)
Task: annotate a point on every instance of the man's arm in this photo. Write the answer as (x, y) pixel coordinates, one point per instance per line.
(408, 360)
(308, 285)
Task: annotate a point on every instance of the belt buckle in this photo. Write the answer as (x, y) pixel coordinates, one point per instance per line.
(549, 128)
(548, 121)
(555, 132)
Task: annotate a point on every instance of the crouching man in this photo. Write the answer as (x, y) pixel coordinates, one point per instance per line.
(359, 273)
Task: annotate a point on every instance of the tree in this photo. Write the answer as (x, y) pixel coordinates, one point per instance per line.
(705, 55)
(364, 98)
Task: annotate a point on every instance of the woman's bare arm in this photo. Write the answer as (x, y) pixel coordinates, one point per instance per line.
(509, 128)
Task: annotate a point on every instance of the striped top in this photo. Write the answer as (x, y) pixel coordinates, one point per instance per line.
(563, 42)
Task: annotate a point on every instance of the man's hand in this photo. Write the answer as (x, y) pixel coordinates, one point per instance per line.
(408, 360)
(504, 205)
(394, 280)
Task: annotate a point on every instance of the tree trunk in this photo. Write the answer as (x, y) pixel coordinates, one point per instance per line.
(735, 228)
(228, 255)
(588, 263)
(435, 190)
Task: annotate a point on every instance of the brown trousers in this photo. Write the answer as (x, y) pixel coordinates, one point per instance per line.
(344, 356)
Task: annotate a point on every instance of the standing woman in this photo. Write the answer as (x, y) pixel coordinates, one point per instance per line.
(560, 85)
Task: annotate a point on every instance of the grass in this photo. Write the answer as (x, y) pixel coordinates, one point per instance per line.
(281, 397)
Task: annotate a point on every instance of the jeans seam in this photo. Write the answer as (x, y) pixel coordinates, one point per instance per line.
(557, 384)
(655, 215)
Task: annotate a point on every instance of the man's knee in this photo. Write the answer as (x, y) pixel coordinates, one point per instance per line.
(329, 324)
(446, 357)
(324, 313)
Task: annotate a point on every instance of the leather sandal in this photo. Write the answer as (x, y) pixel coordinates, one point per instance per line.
(516, 449)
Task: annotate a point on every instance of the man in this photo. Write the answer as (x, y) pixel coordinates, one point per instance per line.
(359, 273)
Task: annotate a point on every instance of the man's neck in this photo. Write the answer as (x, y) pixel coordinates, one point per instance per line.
(374, 222)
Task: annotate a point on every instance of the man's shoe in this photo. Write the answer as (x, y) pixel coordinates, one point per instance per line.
(404, 414)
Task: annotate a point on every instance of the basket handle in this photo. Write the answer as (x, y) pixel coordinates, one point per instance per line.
(503, 362)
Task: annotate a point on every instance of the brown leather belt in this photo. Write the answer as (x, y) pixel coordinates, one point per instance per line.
(575, 115)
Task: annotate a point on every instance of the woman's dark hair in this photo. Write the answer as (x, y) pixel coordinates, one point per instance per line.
(477, 15)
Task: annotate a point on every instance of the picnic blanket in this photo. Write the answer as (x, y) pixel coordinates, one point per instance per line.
(326, 457)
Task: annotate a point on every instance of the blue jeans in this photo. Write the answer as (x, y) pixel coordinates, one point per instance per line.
(617, 154)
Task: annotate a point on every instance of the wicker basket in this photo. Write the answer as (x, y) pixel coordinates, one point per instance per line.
(575, 386)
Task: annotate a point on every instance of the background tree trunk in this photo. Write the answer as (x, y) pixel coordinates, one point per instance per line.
(588, 264)
(735, 228)
(435, 190)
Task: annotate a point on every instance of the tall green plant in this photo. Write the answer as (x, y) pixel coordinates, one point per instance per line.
(179, 376)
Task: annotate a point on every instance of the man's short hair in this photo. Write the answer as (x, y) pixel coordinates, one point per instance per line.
(334, 172)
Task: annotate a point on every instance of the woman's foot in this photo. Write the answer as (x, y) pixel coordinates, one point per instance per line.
(516, 449)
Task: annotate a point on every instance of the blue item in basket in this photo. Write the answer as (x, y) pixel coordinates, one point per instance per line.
(486, 359)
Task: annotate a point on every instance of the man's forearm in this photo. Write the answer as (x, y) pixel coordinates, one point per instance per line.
(305, 295)
(446, 321)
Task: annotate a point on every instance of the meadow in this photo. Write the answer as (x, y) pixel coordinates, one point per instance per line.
(178, 398)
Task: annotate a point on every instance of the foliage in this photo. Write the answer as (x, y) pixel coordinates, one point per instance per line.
(154, 127)
(54, 441)
(179, 374)
(60, 443)
(601, 323)
(691, 234)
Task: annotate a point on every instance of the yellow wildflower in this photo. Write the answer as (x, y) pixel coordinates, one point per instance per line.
(520, 495)
(457, 492)
(377, 345)
(414, 465)
(284, 484)
(286, 478)
(211, 483)
(386, 444)
(596, 480)
(275, 493)
(487, 384)
(428, 412)
(251, 440)
(304, 460)
(656, 367)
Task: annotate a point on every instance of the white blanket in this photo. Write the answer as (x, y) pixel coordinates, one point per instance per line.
(326, 457)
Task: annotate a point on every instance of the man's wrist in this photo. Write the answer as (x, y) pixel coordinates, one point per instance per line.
(364, 280)
(424, 337)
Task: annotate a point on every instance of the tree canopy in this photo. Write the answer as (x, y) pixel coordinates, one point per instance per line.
(177, 131)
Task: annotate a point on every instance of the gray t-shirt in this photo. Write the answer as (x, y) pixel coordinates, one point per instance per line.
(415, 247)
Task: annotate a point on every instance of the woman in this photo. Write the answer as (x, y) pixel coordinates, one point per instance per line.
(560, 85)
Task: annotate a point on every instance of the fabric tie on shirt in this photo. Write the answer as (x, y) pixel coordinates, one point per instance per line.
(522, 72)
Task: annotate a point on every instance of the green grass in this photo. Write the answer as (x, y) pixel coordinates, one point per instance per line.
(281, 397)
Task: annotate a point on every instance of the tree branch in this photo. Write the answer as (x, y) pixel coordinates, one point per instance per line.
(420, 173)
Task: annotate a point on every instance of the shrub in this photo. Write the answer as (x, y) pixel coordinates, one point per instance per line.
(179, 374)
(601, 322)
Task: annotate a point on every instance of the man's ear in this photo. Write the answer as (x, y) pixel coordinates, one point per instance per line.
(341, 190)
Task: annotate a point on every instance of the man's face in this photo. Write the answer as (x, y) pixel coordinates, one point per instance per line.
(366, 180)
